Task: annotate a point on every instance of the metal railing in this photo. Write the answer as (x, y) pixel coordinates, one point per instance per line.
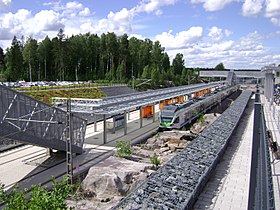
(261, 195)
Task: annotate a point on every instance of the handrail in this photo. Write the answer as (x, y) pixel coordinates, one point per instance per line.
(261, 195)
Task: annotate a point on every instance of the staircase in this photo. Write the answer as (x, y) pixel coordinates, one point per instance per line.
(30, 121)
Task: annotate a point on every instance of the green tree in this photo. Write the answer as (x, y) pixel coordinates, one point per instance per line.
(44, 55)
(178, 64)
(145, 53)
(121, 71)
(184, 77)
(220, 66)
(59, 53)
(30, 57)
(134, 55)
(2, 60)
(124, 54)
(157, 55)
(14, 61)
(155, 76)
(112, 55)
(146, 73)
(165, 62)
(93, 43)
(77, 52)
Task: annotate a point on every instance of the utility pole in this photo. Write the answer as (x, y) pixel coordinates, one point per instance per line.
(69, 140)
(132, 76)
(133, 83)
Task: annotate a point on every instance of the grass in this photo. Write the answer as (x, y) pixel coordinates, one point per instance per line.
(46, 95)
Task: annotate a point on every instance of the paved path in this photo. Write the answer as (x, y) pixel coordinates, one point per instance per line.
(228, 188)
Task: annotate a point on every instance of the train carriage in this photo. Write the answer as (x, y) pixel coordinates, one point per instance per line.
(179, 114)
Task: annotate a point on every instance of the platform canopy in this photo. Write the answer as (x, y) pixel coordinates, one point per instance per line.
(118, 104)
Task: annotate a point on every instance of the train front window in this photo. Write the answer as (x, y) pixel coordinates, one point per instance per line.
(168, 111)
(166, 119)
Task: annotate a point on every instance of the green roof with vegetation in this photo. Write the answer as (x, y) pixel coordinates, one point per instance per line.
(46, 95)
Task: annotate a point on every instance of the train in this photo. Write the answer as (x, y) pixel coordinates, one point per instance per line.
(179, 114)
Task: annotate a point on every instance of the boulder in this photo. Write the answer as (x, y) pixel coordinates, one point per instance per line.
(112, 177)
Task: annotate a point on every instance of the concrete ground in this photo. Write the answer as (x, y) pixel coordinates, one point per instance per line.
(228, 188)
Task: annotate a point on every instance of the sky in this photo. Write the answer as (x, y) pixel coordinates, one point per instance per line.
(242, 34)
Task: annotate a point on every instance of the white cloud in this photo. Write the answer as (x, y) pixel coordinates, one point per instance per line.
(272, 8)
(5, 3)
(121, 22)
(247, 52)
(12, 23)
(199, 49)
(252, 7)
(213, 5)
(23, 23)
(70, 16)
(138, 36)
(48, 20)
(74, 5)
(215, 33)
(228, 32)
(275, 21)
(74, 18)
(153, 6)
(266, 8)
(85, 12)
(180, 40)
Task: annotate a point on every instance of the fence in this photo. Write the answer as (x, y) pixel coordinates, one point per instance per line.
(261, 194)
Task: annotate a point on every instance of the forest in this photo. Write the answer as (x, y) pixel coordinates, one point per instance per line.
(88, 56)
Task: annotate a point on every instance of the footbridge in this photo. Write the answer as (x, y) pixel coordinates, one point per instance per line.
(28, 120)
(238, 73)
(267, 75)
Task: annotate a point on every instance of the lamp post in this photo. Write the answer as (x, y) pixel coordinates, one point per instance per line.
(132, 76)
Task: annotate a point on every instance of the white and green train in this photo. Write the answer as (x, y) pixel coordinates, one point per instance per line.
(179, 114)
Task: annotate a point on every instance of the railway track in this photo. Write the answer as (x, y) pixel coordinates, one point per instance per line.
(37, 172)
(21, 153)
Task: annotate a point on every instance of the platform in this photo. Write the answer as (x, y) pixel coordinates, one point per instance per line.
(25, 168)
(229, 186)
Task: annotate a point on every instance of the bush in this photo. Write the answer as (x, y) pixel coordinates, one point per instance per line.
(201, 119)
(39, 197)
(155, 160)
(123, 149)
